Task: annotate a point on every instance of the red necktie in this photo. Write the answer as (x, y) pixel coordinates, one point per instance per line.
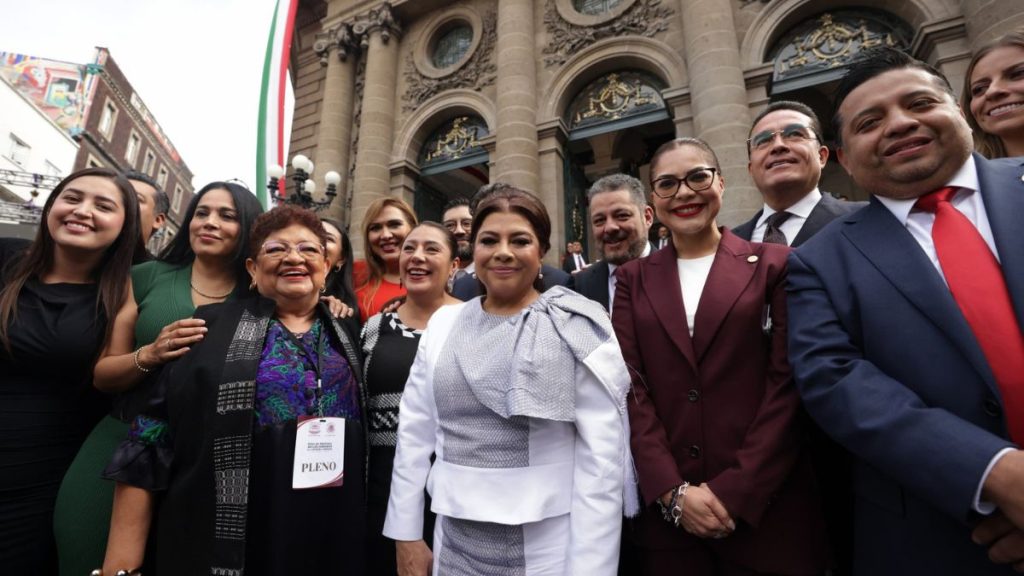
(976, 281)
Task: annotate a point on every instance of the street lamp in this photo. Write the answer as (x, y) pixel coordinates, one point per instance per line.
(305, 187)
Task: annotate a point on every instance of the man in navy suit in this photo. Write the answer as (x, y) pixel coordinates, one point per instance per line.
(885, 345)
(786, 157)
(620, 219)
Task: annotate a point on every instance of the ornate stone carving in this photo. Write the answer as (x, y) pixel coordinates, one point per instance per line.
(382, 18)
(645, 18)
(455, 140)
(340, 38)
(832, 40)
(615, 99)
(478, 72)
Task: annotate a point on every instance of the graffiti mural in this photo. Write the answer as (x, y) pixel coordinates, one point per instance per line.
(56, 88)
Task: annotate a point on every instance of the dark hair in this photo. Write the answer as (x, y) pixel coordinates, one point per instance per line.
(112, 272)
(339, 281)
(487, 190)
(875, 62)
(506, 198)
(280, 218)
(988, 145)
(457, 202)
(794, 106)
(449, 238)
(161, 204)
(179, 251)
(682, 142)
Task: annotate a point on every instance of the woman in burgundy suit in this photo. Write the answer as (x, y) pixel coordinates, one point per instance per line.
(714, 413)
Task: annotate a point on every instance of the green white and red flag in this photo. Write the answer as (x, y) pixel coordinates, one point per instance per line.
(270, 144)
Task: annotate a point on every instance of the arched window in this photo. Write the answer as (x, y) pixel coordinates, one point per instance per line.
(451, 47)
(819, 49)
(616, 96)
(594, 7)
(456, 139)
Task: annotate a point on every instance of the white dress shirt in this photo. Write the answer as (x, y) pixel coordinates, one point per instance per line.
(791, 227)
(919, 223)
(612, 280)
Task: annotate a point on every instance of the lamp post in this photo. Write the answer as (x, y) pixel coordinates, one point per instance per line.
(305, 186)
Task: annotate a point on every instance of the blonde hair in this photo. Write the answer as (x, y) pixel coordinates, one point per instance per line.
(375, 267)
(988, 145)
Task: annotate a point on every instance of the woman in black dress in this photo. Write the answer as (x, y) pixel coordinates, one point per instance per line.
(426, 262)
(57, 296)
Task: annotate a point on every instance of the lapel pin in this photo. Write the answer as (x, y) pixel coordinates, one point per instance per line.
(752, 258)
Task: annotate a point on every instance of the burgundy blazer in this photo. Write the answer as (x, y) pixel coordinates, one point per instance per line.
(720, 408)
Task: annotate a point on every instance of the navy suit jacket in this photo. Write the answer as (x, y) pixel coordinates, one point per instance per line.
(467, 287)
(826, 210)
(887, 365)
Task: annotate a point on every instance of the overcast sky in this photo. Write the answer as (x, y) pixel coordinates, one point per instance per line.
(197, 64)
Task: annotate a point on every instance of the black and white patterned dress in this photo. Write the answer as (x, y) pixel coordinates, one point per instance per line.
(389, 348)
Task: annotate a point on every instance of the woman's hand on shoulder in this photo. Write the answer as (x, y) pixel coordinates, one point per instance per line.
(338, 308)
(414, 558)
(173, 342)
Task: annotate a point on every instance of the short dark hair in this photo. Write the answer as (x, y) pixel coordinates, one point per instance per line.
(686, 141)
(788, 105)
(161, 204)
(282, 217)
(875, 62)
(457, 202)
(617, 182)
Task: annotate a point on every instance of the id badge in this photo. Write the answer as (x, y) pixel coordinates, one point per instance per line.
(319, 453)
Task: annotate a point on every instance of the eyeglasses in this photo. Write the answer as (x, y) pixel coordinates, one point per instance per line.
(791, 134)
(452, 225)
(697, 180)
(276, 250)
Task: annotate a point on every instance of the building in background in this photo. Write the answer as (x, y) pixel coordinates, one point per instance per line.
(426, 99)
(95, 109)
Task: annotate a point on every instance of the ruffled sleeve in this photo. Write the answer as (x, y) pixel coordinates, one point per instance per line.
(144, 458)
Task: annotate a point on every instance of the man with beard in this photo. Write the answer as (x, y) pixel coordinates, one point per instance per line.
(620, 219)
(459, 221)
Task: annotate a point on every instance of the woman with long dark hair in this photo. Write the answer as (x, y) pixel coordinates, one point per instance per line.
(203, 264)
(58, 297)
(339, 277)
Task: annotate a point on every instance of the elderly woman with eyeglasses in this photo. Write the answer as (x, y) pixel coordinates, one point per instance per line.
(714, 413)
(255, 442)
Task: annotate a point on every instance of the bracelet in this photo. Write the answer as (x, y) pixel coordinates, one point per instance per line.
(143, 369)
(133, 572)
(673, 513)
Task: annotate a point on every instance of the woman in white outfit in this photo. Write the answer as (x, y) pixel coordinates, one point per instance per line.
(521, 397)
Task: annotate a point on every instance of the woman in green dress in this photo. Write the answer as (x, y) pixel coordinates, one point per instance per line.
(204, 264)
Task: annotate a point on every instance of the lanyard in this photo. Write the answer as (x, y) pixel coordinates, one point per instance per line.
(317, 365)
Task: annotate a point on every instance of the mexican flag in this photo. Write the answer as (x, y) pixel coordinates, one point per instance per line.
(270, 143)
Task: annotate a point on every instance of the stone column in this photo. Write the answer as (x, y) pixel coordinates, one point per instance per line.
(337, 51)
(719, 99)
(516, 159)
(551, 173)
(989, 19)
(379, 32)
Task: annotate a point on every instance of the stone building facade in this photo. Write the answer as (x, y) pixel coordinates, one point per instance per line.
(428, 99)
